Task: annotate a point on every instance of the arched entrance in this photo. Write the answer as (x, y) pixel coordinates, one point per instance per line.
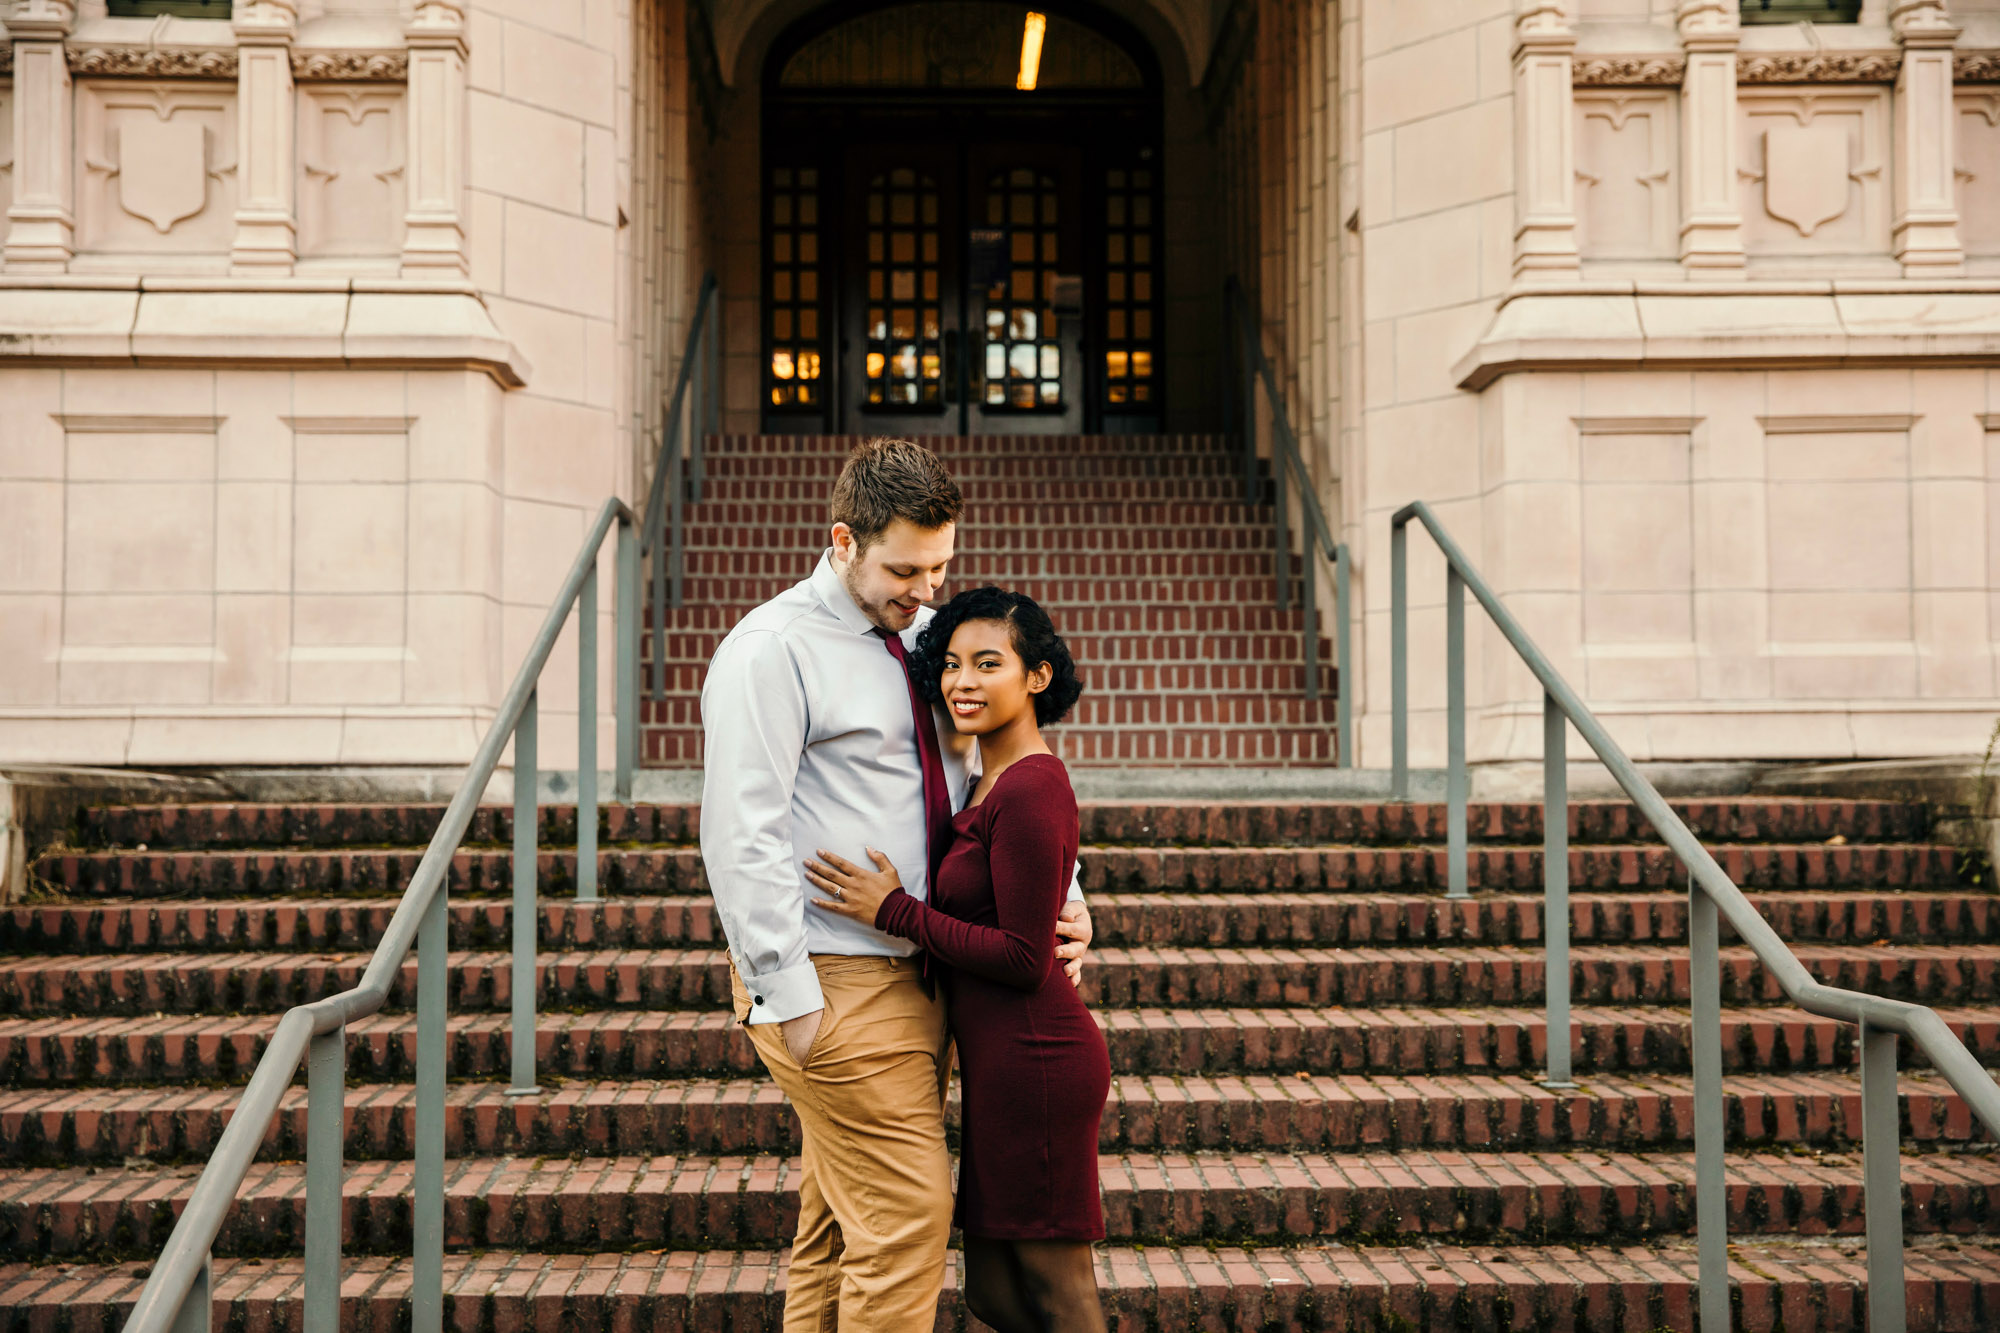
(946, 251)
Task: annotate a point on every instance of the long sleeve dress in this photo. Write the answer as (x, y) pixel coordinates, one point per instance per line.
(1033, 1069)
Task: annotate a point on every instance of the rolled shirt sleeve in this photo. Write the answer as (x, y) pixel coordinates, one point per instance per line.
(754, 716)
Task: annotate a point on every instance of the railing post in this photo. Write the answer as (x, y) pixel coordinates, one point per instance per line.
(427, 1185)
(1456, 782)
(626, 672)
(1555, 890)
(656, 574)
(326, 1147)
(712, 398)
(676, 495)
(199, 1304)
(1399, 662)
(1248, 378)
(1882, 1180)
(1343, 699)
(1309, 604)
(586, 738)
(526, 915)
(1711, 1198)
(1281, 556)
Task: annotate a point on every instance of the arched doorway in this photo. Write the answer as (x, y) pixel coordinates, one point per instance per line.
(946, 251)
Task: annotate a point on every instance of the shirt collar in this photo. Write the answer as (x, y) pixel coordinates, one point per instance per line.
(834, 596)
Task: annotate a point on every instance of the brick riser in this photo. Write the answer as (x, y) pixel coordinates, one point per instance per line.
(1091, 528)
(1240, 1113)
(1339, 1290)
(1135, 823)
(1175, 1042)
(678, 870)
(1175, 920)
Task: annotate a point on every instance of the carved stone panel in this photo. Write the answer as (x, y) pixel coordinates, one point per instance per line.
(1627, 196)
(1815, 171)
(351, 146)
(156, 169)
(1979, 170)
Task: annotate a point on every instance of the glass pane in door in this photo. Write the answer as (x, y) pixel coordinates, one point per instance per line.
(1022, 363)
(904, 327)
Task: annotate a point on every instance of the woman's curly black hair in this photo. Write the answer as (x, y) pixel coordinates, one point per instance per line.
(1033, 634)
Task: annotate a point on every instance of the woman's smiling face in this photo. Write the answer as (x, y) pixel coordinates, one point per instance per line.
(985, 684)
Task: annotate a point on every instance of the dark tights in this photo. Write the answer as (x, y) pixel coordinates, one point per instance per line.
(1033, 1286)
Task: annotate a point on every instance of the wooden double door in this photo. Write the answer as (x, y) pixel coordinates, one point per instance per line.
(958, 280)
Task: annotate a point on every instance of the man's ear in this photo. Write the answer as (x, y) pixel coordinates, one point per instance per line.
(842, 538)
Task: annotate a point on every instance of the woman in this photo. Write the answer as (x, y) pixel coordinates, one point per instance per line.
(1033, 1069)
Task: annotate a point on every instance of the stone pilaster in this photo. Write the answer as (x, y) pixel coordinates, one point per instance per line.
(434, 242)
(1926, 233)
(1711, 218)
(1544, 143)
(267, 226)
(41, 223)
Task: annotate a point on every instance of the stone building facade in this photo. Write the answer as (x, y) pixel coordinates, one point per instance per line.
(326, 326)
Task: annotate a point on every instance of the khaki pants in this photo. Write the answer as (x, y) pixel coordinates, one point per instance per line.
(875, 1186)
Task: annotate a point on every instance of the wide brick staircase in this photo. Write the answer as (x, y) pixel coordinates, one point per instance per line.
(1155, 570)
(1325, 1110)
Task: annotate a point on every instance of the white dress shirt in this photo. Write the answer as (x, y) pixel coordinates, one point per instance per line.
(810, 743)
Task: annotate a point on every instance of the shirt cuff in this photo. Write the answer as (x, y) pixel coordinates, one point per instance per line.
(1075, 893)
(777, 997)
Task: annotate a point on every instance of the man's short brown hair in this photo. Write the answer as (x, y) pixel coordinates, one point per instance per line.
(886, 479)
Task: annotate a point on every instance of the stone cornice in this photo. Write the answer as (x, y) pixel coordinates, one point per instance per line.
(6, 57)
(1818, 66)
(189, 62)
(153, 62)
(1663, 69)
(360, 66)
(1977, 67)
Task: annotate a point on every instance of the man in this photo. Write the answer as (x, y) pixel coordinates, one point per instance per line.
(817, 738)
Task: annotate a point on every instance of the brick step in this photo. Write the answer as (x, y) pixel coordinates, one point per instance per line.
(678, 870)
(955, 448)
(747, 1202)
(631, 1043)
(821, 468)
(782, 491)
(1798, 1286)
(802, 541)
(1138, 823)
(1122, 978)
(1222, 622)
(1238, 920)
(1219, 510)
(740, 593)
(784, 568)
(1098, 710)
(1253, 1113)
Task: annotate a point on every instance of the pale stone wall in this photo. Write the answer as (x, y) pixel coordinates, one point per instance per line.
(324, 339)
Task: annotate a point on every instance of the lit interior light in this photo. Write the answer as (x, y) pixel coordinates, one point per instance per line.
(1031, 51)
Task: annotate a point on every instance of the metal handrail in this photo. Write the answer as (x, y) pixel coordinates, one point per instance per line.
(178, 1295)
(1711, 893)
(670, 490)
(1255, 366)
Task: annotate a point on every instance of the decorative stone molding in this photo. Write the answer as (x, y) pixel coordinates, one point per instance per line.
(153, 62)
(6, 57)
(267, 228)
(351, 66)
(1926, 229)
(1845, 423)
(1655, 71)
(41, 219)
(434, 227)
(1711, 220)
(1977, 67)
(1818, 66)
(1544, 142)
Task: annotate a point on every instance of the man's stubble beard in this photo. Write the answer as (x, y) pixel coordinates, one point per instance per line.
(877, 612)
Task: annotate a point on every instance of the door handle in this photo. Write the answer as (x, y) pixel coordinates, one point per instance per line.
(951, 366)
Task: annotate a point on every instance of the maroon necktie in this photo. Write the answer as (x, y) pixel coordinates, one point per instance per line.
(937, 798)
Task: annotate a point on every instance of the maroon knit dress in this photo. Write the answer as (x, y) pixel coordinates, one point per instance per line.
(1033, 1070)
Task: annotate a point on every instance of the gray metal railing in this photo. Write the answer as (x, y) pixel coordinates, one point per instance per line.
(677, 481)
(1288, 466)
(178, 1296)
(1712, 898)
